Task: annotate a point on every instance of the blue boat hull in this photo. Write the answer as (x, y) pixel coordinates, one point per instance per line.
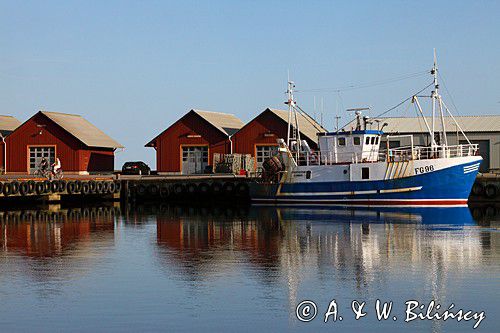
(450, 186)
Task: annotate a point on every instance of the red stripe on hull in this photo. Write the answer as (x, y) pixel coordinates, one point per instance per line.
(423, 202)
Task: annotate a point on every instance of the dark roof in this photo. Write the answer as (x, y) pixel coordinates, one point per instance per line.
(226, 123)
(82, 130)
(8, 124)
(308, 126)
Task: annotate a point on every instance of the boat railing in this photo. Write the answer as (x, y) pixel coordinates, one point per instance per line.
(328, 158)
(392, 155)
(423, 153)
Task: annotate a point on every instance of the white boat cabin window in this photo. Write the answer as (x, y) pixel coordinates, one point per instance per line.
(357, 140)
(341, 141)
(367, 141)
(373, 140)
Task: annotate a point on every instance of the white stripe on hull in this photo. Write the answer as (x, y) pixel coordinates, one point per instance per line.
(395, 190)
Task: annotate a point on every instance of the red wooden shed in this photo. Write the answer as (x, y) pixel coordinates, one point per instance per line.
(7, 125)
(259, 136)
(81, 147)
(188, 145)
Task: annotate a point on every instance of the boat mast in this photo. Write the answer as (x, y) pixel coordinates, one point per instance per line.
(436, 98)
(293, 135)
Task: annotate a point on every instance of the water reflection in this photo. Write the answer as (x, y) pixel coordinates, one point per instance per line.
(56, 244)
(253, 264)
(362, 249)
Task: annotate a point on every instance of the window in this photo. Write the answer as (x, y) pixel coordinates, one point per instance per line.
(37, 153)
(367, 142)
(365, 173)
(373, 140)
(263, 153)
(191, 151)
(341, 141)
(357, 140)
(376, 140)
(308, 174)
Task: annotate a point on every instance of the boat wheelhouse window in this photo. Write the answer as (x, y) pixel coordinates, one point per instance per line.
(365, 173)
(357, 140)
(308, 174)
(373, 140)
(376, 140)
(341, 141)
(367, 142)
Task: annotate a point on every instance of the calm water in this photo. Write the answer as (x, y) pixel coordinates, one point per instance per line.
(164, 268)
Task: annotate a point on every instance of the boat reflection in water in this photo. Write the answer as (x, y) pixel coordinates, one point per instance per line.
(331, 252)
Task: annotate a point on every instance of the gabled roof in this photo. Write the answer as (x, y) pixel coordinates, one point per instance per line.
(82, 129)
(226, 123)
(308, 126)
(8, 124)
(486, 123)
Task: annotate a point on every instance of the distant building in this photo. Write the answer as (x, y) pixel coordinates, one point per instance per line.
(188, 145)
(7, 125)
(81, 147)
(481, 130)
(259, 136)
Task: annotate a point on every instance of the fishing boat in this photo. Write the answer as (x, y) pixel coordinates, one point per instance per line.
(351, 167)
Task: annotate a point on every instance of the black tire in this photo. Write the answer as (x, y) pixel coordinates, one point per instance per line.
(164, 191)
(179, 189)
(242, 189)
(105, 187)
(192, 188)
(70, 187)
(62, 186)
(490, 191)
(477, 189)
(46, 184)
(78, 186)
(85, 188)
(153, 190)
(54, 186)
(118, 185)
(14, 187)
(39, 188)
(141, 190)
(204, 189)
(1, 187)
(92, 186)
(228, 188)
(7, 189)
(31, 186)
(216, 188)
(111, 187)
(99, 187)
(23, 188)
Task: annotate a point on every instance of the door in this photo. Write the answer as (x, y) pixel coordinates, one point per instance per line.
(484, 151)
(194, 159)
(36, 155)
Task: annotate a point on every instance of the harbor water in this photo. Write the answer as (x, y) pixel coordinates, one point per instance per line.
(152, 268)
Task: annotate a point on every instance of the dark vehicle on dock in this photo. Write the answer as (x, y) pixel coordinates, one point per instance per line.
(136, 168)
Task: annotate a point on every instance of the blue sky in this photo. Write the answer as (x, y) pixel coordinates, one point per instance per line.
(134, 67)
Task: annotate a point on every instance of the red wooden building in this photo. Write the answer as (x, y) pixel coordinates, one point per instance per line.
(80, 146)
(188, 145)
(259, 136)
(7, 125)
